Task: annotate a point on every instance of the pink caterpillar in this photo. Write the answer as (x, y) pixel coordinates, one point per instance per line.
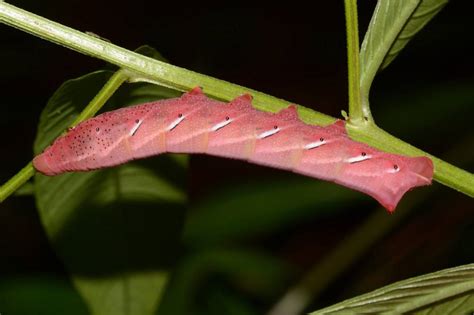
(194, 123)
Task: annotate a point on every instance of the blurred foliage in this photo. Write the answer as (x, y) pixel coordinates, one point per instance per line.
(39, 295)
(259, 212)
(127, 215)
(248, 234)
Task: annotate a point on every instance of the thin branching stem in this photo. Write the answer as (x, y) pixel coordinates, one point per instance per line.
(141, 68)
(91, 109)
(356, 114)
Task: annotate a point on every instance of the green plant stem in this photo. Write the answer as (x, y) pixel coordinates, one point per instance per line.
(109, 88)
(353, 247)
(91, 109)
(16, 181)
(356, 112)
(445, 173)
(141, 68)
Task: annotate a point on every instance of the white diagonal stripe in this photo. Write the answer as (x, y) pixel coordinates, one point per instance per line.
(175, 123)
(268, 133)
(315, 144)
(358, 158)
(135, 128)
(221, 124)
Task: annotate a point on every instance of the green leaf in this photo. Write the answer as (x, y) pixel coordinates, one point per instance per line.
(116, 230)
(26, 190)
(393, 25)
(221, 300)
(450, 291)
(39, 294)
(250, 210)
(259, 274)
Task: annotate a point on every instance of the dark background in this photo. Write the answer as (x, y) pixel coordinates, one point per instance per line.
(290, 51)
